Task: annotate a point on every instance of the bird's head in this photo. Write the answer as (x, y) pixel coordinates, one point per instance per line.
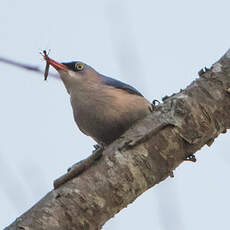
(75, 74)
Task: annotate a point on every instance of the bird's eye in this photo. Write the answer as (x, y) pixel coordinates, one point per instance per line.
(79, 66)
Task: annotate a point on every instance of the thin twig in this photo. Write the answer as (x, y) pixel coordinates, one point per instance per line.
(26, 66)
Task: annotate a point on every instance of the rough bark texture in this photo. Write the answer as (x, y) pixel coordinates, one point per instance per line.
(144, 156)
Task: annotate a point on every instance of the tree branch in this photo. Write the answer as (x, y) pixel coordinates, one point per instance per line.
(144, 156)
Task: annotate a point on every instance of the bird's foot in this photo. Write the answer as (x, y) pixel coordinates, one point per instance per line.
(154, 104)
(190, 158)
(79, 167)
(97, 147)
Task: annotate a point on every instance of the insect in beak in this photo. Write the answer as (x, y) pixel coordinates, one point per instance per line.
(58, 66)
(45, 55)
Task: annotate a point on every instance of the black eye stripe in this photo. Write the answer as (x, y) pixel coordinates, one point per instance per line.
(73, 65)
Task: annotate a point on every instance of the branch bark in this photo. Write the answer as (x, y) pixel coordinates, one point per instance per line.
(141, 158)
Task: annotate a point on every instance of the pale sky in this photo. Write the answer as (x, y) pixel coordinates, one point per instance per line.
(156, 46)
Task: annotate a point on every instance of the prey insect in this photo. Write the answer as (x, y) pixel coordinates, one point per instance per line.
(45, 55)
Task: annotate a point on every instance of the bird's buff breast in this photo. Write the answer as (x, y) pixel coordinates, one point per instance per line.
(106, 118)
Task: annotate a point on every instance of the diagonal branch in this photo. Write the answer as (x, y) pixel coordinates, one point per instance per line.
(143, 157)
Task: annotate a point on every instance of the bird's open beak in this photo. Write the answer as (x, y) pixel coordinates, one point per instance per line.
(56, 65)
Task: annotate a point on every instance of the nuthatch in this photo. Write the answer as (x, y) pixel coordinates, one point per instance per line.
(103, 108)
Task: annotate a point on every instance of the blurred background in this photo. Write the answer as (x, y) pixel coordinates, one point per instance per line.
(156, 46)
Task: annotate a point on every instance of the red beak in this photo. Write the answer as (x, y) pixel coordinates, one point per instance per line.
(56, 65)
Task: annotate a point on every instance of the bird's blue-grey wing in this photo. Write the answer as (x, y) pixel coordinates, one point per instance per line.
(120, 85)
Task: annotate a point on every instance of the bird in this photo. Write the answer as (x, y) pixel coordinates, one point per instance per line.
(103, 107)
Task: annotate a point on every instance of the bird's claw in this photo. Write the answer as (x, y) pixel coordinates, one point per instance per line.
(191, 158)
(98, 147)
(154, 104)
